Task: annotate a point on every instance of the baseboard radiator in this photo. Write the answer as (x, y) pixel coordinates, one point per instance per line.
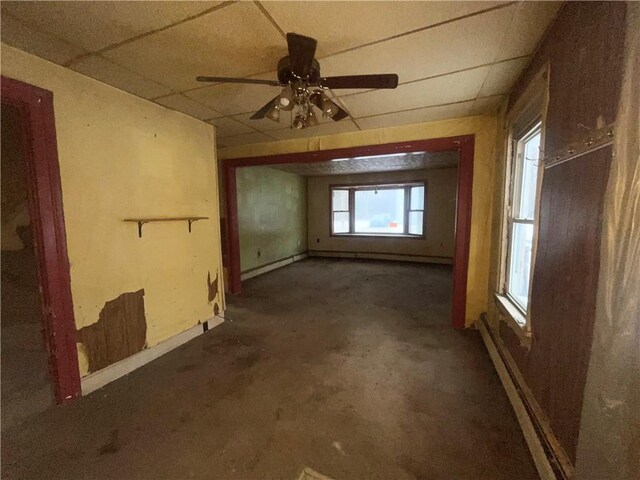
(549, 458)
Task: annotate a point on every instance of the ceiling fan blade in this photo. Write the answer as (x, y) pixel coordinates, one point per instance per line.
(301, 52)
(256, 81)
(341, 115)
(263, 111)
(384, 80)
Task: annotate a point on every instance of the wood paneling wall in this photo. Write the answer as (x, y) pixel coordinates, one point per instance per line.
(584, 50)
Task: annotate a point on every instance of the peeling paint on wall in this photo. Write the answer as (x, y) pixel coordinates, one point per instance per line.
(212, 287)
(121, 331)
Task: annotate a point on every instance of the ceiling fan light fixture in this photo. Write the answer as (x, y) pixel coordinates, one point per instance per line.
(312, 119)
(329, 108)
(274, 113)
(285, 100)
(298, 122)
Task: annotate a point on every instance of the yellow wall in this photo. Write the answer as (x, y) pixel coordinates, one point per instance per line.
(440, 212)
(121, 156)
(484, 129)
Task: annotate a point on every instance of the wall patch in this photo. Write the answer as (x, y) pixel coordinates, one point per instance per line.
(121, 331)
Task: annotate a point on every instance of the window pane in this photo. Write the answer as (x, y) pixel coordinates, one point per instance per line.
(415, 223)
(417, 198)
(531, 152)
(340, 200)
(520, 262)
(380, 211)
(341, 222)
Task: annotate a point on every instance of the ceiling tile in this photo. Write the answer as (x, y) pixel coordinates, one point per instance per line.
(108, 72)
(529, 24)
(425, 93)
(428, 114)
(454, 46)
(237, 40)
(329, 128)
(44, 45)
(185, 105)
(245, 139)
(95, 25)
(502, 76)
(341, 25)
(227, 127)
(487, 105)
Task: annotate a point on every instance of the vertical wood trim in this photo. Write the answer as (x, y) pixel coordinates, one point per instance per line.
(232, 230)
(463, 233)
(47, 218)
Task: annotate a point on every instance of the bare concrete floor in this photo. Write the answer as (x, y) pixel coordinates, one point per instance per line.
(350, 368)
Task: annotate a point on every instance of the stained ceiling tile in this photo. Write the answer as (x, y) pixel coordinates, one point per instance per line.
(454, 46)
(341, 25)
(101, 69)
(42, 44)
(95, 25)
(329, 128)
(487, 105)
(227, 127)
(245, 139)
(428, 114)
(187, 106)
(502, 76)
(237, 40)
(529, 24)
(452, 88)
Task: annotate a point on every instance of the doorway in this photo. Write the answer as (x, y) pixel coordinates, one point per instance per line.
(35, 227)
(464, 145)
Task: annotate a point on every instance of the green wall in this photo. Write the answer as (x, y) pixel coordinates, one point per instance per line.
(272, 215)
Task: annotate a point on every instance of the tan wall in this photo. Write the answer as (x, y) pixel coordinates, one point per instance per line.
(484, 129)
(439, 215)
(122, 157)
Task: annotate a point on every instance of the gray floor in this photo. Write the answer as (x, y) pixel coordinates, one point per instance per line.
(350, 368)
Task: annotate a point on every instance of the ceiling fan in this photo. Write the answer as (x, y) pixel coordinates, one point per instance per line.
(304, 88)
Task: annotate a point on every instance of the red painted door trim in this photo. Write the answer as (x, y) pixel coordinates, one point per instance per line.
(47, 218)
(464, 144)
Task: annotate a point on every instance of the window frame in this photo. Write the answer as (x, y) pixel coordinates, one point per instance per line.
(529, 109)
(352, 188)
(514, 197)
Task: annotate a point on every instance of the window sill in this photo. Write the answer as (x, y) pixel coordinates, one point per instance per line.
(378, 235)
(515, 319)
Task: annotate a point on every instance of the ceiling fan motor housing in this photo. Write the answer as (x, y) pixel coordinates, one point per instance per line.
(285, 75)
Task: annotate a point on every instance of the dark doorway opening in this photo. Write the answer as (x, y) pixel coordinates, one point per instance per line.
(36, 135)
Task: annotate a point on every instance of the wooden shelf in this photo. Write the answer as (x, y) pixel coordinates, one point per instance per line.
(142, 221)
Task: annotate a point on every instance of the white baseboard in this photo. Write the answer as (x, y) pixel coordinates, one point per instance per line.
(530, 435)
(99, 379)
(272, 266)
(382, 256)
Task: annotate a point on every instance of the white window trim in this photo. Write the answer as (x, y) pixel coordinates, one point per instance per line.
(530, 108)
(407, 209)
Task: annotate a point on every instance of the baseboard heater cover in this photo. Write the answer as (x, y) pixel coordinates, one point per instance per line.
(99, 379)
(538, 452)
(272, 266)
(382, 256)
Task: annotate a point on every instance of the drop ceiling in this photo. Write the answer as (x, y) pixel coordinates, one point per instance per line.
(378, 163)
(453, 58)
